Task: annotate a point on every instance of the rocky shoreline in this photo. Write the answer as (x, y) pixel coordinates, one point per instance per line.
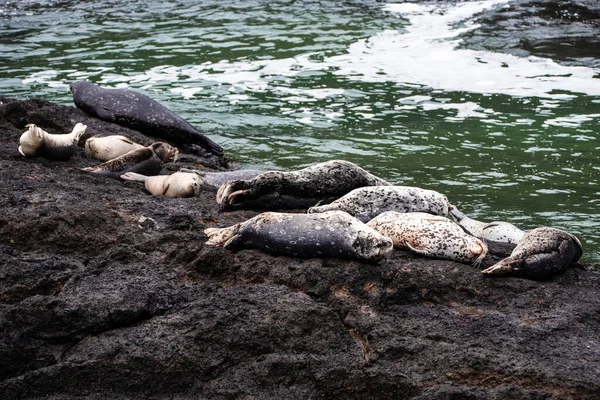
(108, 292)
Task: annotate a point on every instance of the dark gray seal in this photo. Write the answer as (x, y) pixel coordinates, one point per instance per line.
(137, 111)
(366, 203)
(322, 182)
(331, 234)
(540, 254)
(146, 161)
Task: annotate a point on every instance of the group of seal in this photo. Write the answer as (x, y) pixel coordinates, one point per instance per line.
(351, 213)
(414, 218)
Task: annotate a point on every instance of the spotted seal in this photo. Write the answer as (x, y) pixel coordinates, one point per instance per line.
(35, 142)
(146, 161)
(331, 234)
(137, 111)
(296, 189)
(108, 147)
(367, 202)
(430, 235)
(498, 231)
(541, 253)
(178, 184)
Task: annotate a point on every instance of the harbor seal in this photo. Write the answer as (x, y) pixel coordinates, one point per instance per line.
(541, 253)
(367, 202)
(498, 231)
(146, 161)
(296, 189)
(214, 179)
(179, 184)
(331, 234)
(35, 142)
(108, 147)
(137, 111)
(430, 235)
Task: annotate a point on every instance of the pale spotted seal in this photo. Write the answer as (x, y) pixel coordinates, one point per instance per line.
(36, 142)
(108, 147)
(498, 231)
(296, 189)
(541, 253)
(146, 161)
(179, 184)
(332, 234)
(430, 235)
(137, 111)
(367, 202)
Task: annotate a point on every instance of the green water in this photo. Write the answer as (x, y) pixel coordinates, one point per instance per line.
(393, 88)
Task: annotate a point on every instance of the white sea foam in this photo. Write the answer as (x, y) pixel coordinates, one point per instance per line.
(424, 52)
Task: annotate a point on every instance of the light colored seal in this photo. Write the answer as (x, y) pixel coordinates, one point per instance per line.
(367, 202)
(498, 231)
(146, 161)
(541, 253)
(109, 147)
(36, 142)
(296, 189)
(179, 184)
(430, 235)
(137, 111)
(332, 234)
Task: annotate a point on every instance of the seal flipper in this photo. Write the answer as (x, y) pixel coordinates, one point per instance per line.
(221, 236)
(503, 267)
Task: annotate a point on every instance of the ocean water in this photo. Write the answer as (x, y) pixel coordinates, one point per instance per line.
(441, 95)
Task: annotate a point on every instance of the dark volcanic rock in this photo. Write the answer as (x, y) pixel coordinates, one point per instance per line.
(107, 292)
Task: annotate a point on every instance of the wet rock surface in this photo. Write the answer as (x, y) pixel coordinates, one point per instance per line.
(108, 292)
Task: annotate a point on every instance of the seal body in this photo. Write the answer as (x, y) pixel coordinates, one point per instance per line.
(296, 189)
(214, 179)
(109, 147)
(146, 161)
(497, 231)
(541, 253)
(179, 184)
(36, 142)
(367, 202)
(137, 111)
(332, 234)
(430, 235)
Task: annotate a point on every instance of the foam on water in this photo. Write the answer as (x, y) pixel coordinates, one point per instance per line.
(425, 52)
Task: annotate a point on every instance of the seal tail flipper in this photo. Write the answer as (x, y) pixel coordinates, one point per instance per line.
(134, 177)
(503, 267)
(221, 236)
(210, 146)
(456, 215)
